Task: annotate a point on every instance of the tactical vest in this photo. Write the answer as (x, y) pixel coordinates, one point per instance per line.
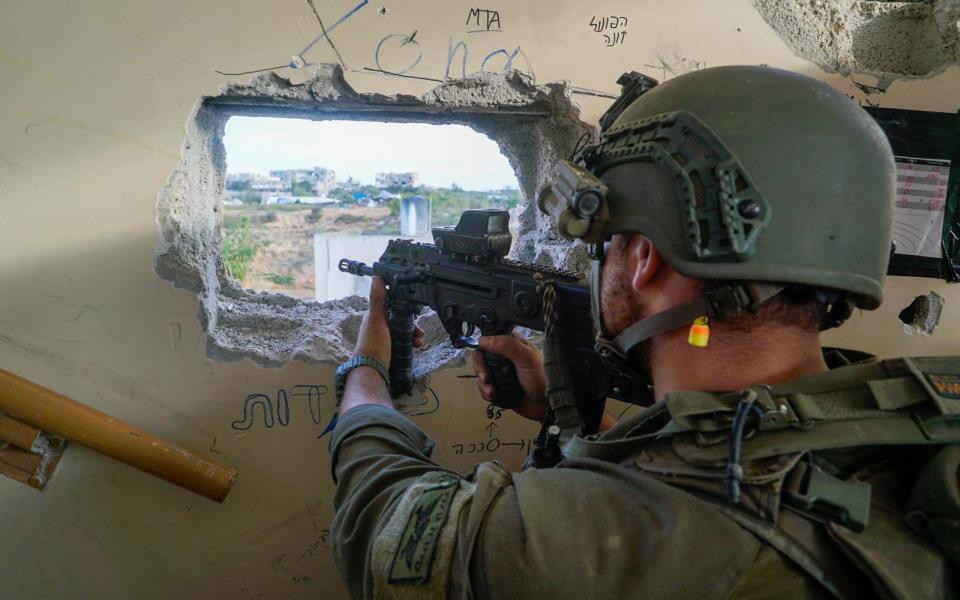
(853, 475)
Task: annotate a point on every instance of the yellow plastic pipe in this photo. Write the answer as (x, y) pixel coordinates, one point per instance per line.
(54, 413)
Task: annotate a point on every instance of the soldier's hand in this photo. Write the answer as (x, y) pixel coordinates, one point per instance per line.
(374, 337)
(527, 360)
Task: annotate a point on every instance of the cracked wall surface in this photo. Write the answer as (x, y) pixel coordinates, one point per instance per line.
(891, 40)
(533, 125)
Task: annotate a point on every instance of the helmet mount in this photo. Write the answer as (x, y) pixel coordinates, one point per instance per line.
(758, 178)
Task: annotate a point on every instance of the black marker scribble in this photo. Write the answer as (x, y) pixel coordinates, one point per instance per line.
(283, 408)
(483, 20)
(299, 55)
(605, 23)
(405, 41)
(311, 393)
(429, 404)
(490, 446)
(614, 39)
(610, 24)
(249, 406)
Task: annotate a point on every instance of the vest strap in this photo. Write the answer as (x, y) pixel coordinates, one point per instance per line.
(783, 543)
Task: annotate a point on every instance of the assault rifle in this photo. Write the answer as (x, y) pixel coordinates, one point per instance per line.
(465, 277)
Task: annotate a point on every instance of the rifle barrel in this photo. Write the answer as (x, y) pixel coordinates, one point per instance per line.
(355, 267)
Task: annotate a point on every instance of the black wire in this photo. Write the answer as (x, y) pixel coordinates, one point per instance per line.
(382, 71)
(734, 468)
(952, 274)
(581, 144)
(326, 35)
(253, 71)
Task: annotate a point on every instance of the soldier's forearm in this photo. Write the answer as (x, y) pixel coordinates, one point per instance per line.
(364, 386)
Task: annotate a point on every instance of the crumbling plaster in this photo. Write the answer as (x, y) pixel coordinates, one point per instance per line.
(891, 40)
(534, 126)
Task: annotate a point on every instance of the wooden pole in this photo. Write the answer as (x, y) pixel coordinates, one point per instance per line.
(15, 473)
(21, 459)
(54, 413)
(19, 434)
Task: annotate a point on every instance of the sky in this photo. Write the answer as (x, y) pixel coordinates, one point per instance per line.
(441, 154)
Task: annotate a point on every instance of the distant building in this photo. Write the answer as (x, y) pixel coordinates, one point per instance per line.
(410, 180)
(384, 196)
(350, 185)
(323, 180)
(311, 200)
(238, 180)
(266, 184)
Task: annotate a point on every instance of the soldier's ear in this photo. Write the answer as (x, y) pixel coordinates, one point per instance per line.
(645, 261)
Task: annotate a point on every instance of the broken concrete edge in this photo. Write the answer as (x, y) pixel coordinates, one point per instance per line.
(533, 125)
(892, 41)
(923, 314)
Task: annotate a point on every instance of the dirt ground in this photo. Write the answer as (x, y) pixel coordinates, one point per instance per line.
(284, 239)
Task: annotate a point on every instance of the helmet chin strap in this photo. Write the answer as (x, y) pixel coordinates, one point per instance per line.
(729, 299)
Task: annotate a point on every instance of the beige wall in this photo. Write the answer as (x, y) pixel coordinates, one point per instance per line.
(92, 112)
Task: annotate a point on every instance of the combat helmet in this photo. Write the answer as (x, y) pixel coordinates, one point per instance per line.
(756, 176)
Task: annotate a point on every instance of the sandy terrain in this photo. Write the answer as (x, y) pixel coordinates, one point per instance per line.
(284, 236)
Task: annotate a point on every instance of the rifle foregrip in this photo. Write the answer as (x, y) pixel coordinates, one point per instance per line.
(401, 350)
(509, 391)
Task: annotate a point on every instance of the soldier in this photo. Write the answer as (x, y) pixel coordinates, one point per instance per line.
(753, 205)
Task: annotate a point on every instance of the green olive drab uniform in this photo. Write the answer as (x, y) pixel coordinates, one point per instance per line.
(848, 486)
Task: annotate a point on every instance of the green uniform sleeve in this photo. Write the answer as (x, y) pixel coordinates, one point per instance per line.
(376, 455)
(407, 528)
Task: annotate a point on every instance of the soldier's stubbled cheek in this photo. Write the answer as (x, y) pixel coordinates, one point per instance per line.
(617, 298)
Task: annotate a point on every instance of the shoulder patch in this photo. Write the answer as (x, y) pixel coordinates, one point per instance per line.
(946, 384)
(418, 543)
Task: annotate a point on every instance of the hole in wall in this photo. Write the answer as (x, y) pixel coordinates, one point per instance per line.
(532, 125)
(922, 315)
(300, 195)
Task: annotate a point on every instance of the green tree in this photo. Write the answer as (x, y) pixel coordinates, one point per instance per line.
(394, 205)
(239, 186)
(238, 247)
(303, 188)
(342, 195)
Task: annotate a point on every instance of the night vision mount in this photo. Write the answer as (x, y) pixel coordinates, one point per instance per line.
(723, 211)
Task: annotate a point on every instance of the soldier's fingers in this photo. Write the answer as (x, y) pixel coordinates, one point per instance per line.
(418, 336)
(480, 368)
(507, 346)
(521, 338)
(487, 390)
